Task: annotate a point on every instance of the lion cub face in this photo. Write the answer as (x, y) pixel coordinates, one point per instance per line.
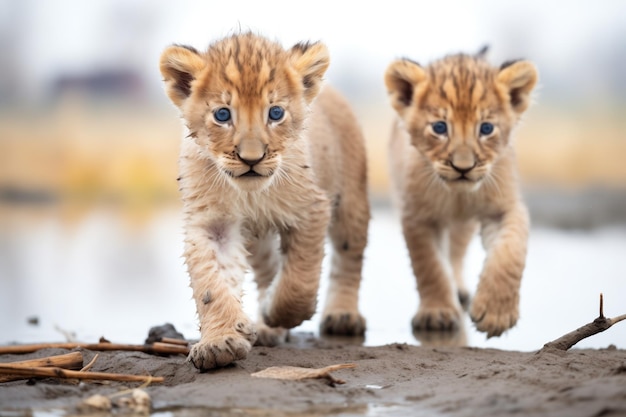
(459, 112)
(244, 101)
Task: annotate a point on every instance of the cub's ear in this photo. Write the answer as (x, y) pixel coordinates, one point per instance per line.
(519, 79)
(179, 66)
(310, 60)
(482, 52)
(406, 81)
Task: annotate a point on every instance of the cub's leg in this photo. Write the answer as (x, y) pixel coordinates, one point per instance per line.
(216, 260)
(439, 307)
(265, 262)
(495, 307)
(461, 234)
(292, 297)
(348, 233)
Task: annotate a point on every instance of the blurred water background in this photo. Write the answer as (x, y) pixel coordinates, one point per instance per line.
(90, 231)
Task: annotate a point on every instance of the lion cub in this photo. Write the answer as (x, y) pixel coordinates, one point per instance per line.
(453, 167)
(268, 168)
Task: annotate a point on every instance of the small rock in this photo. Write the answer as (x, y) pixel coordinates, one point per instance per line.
(156, 333)
(96, 403)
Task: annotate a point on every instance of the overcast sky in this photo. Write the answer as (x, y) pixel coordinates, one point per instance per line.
(74, 36)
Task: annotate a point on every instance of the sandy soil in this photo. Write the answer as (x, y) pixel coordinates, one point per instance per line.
(391, 380)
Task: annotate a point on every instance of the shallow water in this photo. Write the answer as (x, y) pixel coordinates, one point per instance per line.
(315, 411)
(105, 276)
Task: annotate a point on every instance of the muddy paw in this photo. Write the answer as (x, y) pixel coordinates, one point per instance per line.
(287, 317)
(246, 329)
(270, 336)
(437, 318)
(494, 314)
(219, 351)
(348, 323)
(464, 298)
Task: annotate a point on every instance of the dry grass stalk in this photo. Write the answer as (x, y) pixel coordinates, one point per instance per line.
(169, 348)
(172, 341)
(55, 372)
(72, 361)
(156, 348)
(90, 364)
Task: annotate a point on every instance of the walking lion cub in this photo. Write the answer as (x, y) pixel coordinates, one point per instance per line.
(272, 162)
(453, 168)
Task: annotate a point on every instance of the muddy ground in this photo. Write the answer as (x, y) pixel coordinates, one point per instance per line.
(391, 380)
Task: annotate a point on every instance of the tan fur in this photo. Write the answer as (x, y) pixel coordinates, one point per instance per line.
(441, 206)
(310, 179)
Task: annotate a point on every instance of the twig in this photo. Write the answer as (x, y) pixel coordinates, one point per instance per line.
(69, 335)
(72, 360)
(129, 390)
(90, 364)
(172, 341)
(156, 348)
(598, 325)
(170, 348)
(31, 371)
(601, 316)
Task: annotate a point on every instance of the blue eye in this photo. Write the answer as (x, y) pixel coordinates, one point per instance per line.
(440, 128)
(276, 113)
(222, 115)
(486, 128)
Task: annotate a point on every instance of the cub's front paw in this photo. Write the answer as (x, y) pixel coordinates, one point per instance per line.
(494, 313)
(270, 336)
(286, 316)
(440, 318)
(464, 298)
(219, 351)
(348, 323)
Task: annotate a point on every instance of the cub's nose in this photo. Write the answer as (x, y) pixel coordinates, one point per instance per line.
(249, 161)
(462, 160)
(462, 169)
(251, 152)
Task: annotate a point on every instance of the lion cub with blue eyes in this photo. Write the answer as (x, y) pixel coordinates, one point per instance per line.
(272, 162)
(453, 168)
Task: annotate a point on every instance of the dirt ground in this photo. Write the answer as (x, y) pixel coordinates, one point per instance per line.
(391, 380)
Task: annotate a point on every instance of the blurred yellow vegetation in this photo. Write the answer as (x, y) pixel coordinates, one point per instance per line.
(92, 155)
(88, 153)
(572, 148)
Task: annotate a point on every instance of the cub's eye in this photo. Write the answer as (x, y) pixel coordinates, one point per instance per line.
(222, 115)
(276, 113)
(486, 128)
(440, 127)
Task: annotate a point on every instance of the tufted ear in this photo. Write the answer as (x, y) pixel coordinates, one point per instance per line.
(179, 66)
(405, 81)
(482, 52)
(519, 79)
(310, 60)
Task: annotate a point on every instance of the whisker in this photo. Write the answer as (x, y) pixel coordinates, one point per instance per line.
(492, 181)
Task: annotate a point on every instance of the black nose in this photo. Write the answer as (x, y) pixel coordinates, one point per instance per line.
(460, 170)
(251, 162)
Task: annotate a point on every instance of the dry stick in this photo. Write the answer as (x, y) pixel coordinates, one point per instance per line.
(72, 360)
(172, 341)
(90, 364)
(598, 325)
(30, 371)
(157, 348)
(171, 348)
